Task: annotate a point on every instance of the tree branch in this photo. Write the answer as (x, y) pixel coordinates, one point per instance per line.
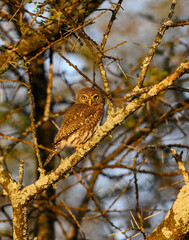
(112, 121)
(176, 223)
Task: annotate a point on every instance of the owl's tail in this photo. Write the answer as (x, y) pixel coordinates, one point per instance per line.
(52, 153)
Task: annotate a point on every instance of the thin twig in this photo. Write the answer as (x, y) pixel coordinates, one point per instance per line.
(95, 201)
(17, 140)
(33, 121)
(74, 218)
(107, 32)
(178, 158)
(164, 26)
(21, 174)
(49, 90)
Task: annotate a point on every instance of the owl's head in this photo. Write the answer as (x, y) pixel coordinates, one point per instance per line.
(90, 96)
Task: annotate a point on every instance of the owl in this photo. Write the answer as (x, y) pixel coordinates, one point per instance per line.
(80, 120)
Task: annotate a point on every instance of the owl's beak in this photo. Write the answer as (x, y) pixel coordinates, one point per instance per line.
(90, 101)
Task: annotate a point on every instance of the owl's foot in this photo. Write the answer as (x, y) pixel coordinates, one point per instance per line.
(79, 146)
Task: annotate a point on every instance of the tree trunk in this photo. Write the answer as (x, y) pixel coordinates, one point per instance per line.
(19, 218)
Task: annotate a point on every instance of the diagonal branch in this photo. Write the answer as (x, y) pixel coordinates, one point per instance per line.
(112, 121)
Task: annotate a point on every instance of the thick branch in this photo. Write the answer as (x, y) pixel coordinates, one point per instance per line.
(19, 218)
(176, 223)
(109, 125)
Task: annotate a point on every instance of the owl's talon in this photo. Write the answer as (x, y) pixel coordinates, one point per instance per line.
(79, 146)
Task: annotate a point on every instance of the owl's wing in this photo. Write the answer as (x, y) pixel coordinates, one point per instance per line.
(76, 116)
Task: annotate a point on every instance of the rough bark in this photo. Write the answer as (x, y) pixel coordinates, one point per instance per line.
(175, 226)
(19, 218)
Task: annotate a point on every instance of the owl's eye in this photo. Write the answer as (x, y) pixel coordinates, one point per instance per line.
(83, 97)
(96, 97)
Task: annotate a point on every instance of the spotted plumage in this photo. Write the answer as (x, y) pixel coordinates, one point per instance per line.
(80, 120)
